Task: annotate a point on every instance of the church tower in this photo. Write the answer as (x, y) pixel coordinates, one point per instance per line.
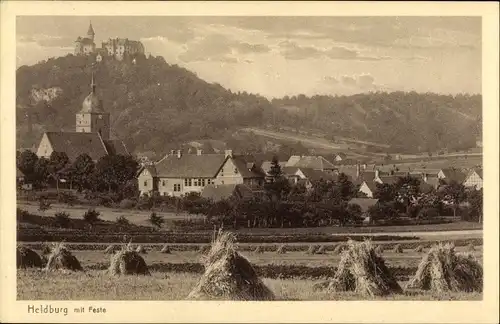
(90, 32)
(92, 118)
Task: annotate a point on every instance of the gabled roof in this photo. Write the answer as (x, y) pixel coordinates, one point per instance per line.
(189, 166)
(389, 179)
(433, 181)
(479, 172)
(313, 162)
(75, 144)
(364, 203)
(247, 167)
(19, 173)
(151, 169)
(116, 147)
(453, 175)
(367, 176)
(225, 191)
(316, 175)
(289, 171)
(371, 185)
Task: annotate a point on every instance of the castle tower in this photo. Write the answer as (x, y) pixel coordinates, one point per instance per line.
(90, 32)
(92, 118)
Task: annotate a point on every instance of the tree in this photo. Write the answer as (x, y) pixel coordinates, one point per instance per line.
(57, 166)
(382, 211)
(156, 220)
(91, 217)
(82, 169)
(384, 192)
(475, 199)
(41, 171)
(454, 194)
(43, 205)
(343, 188)
(277, 187)
(407, 191)
(26, 162)
(115, 170)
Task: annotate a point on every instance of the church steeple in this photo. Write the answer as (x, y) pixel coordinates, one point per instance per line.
(90, 32)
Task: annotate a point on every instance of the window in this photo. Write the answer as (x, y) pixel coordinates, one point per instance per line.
(163, 183)
(203, 182)
(177, 187)
(185, 182)
(235, 171)
(196, 182)
(145, 183)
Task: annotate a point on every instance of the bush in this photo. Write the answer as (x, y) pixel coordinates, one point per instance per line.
(62, 219)
(428, 213)
(156, 221)
(67, 198)
(22, 215)
(91, 216)
(122, 221)
(127, 204)
(43, 205)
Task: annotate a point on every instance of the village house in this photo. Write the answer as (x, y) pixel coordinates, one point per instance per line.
(311, 162)
(474, 179)
(240, 169)
(178, 174)
(368, 188)
(91, 136)
(449, 175)
(307, 176)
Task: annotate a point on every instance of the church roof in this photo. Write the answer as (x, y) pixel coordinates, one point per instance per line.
(75, 144)
(91, 30)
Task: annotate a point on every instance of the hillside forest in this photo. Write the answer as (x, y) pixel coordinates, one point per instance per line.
(156, 106)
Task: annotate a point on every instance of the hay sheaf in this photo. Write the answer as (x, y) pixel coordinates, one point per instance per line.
(419, 249)
(312, 249)
(379, 249)
(443, 270)
(281, 249)
(363, 271)
(165, 249)
(321, 250)
(111, 249)
(228, 275)
(27, 258)
(339, 248)
(397, 248)
(259, 250)
(62, 259)
(128, 262)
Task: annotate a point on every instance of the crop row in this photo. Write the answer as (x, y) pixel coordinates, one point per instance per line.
(273, 271)
(252, 247)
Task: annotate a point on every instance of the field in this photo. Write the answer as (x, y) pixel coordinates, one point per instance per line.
(291, 276)
(97, 285)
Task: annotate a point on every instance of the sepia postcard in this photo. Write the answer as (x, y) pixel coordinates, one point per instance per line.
(249, 162)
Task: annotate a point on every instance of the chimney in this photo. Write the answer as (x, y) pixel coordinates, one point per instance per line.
(198, 152)
(228, 153)
(357, 170)
(376, 173)
(179, 154)
(364, 166)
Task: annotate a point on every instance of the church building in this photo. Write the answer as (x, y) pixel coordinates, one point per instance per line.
(91, 136)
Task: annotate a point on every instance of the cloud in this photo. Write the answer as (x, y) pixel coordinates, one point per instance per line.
(46, 40)
(218, 47)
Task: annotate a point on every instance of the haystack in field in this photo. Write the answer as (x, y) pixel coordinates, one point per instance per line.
(379, 249)
(27, 258)
(61, 258)
(471, 247)
(47, 248)
(362, 270)
(442, 270)
(128, 262)
(339, 248)
(140, 249)
(312, 249)
(281, 249)
(258, 250)
(419, 249)
(165, 249)
(397, 248)
(321, 250)
(111, 249)
(228, 275)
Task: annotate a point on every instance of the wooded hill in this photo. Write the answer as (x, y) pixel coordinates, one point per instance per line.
(156, 106)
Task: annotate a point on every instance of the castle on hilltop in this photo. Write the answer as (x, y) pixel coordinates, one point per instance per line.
(117, 47)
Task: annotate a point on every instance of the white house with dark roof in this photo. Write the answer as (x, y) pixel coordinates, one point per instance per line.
(311, 162)
(474, 179)
(91, 135)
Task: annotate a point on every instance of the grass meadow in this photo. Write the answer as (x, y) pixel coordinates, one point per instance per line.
(98, 285)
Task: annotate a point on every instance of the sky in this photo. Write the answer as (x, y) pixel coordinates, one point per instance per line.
(279, 56)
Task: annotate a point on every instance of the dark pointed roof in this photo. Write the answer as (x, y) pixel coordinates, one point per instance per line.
(91, 30)
(92, 103)
(75, 144)
(189, 166)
